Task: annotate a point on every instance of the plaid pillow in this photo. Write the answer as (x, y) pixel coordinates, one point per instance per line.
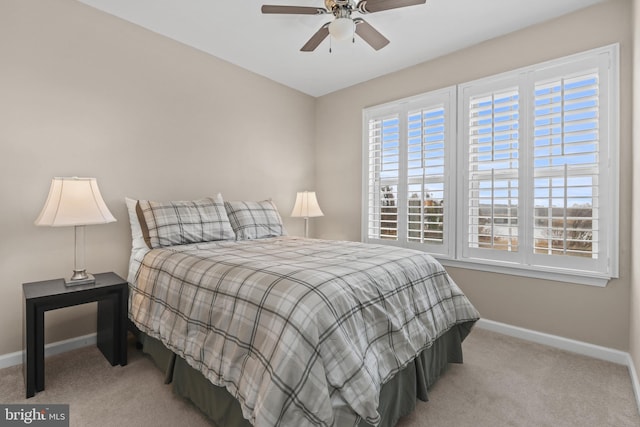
(178, 223)
(255, 220)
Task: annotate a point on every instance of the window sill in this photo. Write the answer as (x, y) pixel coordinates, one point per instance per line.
(558, 275)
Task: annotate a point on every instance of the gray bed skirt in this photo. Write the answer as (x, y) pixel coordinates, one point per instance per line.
(397, 398)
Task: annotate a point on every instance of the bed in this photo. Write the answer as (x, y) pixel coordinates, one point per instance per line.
(260, 328)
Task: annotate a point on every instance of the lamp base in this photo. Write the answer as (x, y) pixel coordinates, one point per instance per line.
(80, 277)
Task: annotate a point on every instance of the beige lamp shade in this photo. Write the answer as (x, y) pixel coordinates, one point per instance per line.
(306, 205)
(74, 201)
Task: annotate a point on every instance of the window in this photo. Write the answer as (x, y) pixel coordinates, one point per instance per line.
(408, 191)
(514, 173)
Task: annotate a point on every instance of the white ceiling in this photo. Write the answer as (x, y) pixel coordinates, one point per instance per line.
(269, 45)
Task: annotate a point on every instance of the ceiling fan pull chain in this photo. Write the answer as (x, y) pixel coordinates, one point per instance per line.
(330, 43)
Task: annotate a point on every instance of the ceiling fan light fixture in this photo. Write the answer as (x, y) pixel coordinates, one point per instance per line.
(341, 28)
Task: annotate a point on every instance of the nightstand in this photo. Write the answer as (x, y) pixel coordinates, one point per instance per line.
(110, 291)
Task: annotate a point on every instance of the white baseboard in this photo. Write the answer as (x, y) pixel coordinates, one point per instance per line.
(54, 348)
(580, 347)
(635, 381)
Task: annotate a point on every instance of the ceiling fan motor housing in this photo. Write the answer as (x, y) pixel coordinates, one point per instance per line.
(340, 8)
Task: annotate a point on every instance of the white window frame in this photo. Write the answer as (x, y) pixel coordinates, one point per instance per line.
(524, 262)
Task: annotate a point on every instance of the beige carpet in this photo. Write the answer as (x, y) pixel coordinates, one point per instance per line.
(503, 382)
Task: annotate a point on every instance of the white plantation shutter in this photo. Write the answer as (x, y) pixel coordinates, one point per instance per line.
(566, 169)
(574, 172)
(491, 116)
(493, 167)
(383, 176)
(426, 130)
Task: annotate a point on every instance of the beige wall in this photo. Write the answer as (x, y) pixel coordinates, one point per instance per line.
(595, 315)
(634, 344)
(83, 93)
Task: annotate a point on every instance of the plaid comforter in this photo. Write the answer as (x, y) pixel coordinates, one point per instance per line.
(294, 328)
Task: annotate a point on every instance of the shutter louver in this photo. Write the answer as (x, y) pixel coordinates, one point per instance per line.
(425, 185)
(566, 166)
(384, 168)
(493, 171)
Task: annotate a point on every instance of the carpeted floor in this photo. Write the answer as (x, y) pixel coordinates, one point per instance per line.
(503, 382)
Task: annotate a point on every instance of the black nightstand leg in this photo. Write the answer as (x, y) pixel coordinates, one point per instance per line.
(108, 338)
(123, 310)
(39, 350)
(29, 355)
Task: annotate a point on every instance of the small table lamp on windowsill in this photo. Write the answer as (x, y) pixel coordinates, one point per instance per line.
(306, 207)
(75, 202)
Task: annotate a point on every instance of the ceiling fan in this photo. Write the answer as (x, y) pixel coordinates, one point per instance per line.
(342, 27)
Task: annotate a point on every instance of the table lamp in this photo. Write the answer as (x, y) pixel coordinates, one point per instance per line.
(75, 202)
(306, 206)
